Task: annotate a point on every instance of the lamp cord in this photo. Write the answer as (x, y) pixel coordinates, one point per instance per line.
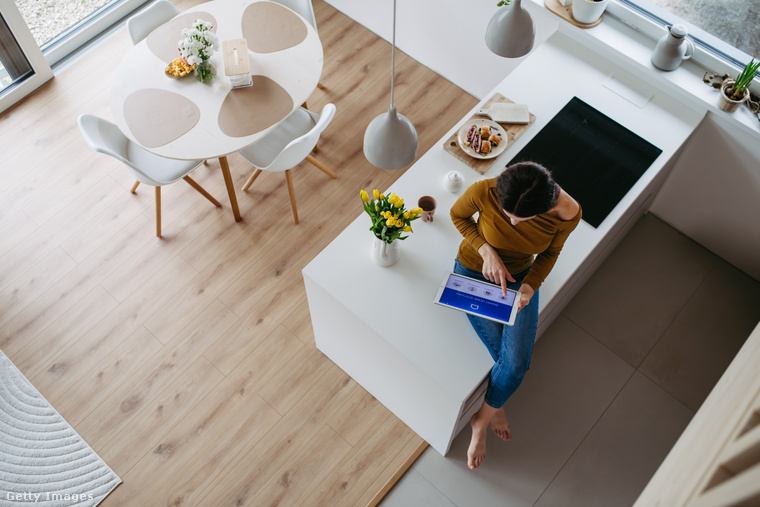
(393, 55)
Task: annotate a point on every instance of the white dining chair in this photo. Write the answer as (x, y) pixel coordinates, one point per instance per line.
(105, 137)
(305, 9)
(150, 18)
(289, 144)
(302, 7)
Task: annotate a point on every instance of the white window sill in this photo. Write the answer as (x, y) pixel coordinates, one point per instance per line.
(632, 50)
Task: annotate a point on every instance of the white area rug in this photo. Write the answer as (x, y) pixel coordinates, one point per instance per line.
(43, 461)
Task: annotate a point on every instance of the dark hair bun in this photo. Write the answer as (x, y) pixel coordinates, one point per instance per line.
(526, 189)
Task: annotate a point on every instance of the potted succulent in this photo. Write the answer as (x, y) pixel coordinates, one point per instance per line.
(734, 92)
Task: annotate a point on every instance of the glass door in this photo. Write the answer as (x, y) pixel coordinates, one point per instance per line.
(37, 34)
(23, 67)
(50, 21)
(14, 65)
(60, 27)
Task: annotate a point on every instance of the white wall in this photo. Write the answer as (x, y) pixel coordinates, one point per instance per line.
(713, 193)
(448, 36)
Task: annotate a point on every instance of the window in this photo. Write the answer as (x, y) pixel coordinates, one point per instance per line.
(14, 65)
(60, 27)
(725, 33)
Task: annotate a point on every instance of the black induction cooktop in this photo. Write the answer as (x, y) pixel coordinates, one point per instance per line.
(594, 158)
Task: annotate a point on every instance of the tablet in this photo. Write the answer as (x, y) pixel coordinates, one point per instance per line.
(479, 298)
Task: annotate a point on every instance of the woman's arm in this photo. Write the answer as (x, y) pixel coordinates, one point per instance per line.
(462, 213)
(545, 261)
(494, 269)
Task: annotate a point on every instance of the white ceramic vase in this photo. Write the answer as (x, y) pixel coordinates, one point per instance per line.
(385, 254)
(588, 11)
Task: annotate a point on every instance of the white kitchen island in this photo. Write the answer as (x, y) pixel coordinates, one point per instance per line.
(424, 362)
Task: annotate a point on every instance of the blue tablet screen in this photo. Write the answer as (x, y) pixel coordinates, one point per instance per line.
(477, 297)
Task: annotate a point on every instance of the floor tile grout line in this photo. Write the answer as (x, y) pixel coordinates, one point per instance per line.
(585, 437)
(665, 390)
(680, 310)
(414, 468)
(600, 342)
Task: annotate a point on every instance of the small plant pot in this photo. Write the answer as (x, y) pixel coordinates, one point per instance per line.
(728, 104)
(588, 11)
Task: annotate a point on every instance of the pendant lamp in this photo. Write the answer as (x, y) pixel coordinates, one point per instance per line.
(390, 141)
(511, 31)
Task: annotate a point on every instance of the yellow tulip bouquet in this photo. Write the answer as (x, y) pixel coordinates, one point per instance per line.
(389, 217)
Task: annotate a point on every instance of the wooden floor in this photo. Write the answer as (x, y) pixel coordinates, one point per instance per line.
(188, 363)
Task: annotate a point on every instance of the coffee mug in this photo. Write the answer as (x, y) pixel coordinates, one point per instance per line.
(428, 205)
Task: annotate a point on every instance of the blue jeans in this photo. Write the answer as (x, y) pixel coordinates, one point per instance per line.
(510, 346)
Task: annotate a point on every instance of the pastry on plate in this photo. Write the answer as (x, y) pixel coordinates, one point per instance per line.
(472, 133)
(476, 144)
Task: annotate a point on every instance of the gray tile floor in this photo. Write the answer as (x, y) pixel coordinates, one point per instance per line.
(613, 383)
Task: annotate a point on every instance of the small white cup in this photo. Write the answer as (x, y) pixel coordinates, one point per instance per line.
(453, 181)
(588, 11)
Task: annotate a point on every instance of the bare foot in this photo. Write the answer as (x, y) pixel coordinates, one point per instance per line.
(500, 425)
(477, 450)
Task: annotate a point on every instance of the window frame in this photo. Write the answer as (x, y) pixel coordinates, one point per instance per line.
(89, 28)
(710, 52)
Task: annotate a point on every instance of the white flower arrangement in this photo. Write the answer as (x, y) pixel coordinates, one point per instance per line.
(199, 42)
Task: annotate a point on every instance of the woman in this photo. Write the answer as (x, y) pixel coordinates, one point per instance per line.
(521, 213)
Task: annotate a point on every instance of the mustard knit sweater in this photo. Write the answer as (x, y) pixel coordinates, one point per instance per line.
(543, 236)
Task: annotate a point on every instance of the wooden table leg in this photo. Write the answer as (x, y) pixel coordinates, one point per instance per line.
(230, 187)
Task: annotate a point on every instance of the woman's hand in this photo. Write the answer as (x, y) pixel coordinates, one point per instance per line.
(493, 267)
(526, 292)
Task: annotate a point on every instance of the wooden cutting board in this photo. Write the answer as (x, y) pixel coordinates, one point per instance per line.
(513, 131)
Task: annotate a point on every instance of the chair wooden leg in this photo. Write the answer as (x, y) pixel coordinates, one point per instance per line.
(292, 193)
(225, 166)
(158, 211)
(134, 187)
(320, 86)
(251, 179)
(202, 191)
(319, 165)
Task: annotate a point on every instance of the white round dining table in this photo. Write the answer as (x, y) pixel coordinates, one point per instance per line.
(182, 118)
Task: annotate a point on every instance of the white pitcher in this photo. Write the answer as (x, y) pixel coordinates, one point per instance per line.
(673, 48)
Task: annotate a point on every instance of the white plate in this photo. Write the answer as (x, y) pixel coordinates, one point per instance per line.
(495, 129)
